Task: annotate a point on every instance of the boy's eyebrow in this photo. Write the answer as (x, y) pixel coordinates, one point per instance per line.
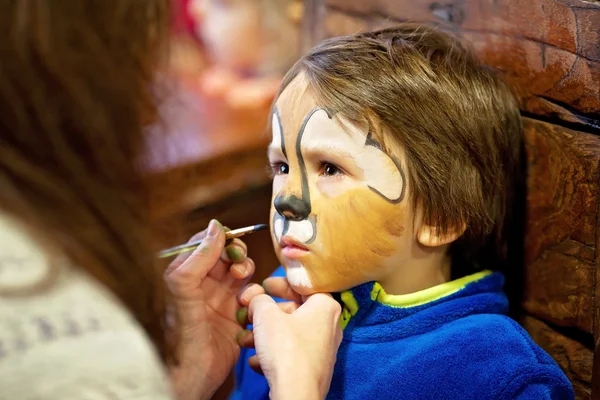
(274, 150)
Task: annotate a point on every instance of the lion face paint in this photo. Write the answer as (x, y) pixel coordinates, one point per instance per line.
(339, 215)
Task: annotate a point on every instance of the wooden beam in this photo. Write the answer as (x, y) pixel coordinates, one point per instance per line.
(596, 369)
(561, 224)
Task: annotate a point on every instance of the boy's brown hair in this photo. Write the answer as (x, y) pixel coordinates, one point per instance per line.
(457, 120)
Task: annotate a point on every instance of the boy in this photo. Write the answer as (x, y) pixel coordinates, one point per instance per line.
(394, 156)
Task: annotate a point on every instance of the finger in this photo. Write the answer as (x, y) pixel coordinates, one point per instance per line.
(235, 252)
(280, 287)
(241, 316)
(322, 299)
(339, 335)
(194, 269)
(243, 271)
(250, 292)
(288, 307)
(305, 297)
(322, 306)
(177, 261)
(260, 306)
(255, 365)
(246, 339)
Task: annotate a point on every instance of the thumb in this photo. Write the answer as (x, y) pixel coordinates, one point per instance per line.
(261, 307)
(321, 306)
(195, 268)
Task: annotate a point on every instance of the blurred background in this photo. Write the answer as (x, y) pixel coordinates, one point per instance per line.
(228, 57)
(227, 60)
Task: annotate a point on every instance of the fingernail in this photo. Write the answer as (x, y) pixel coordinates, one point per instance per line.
(241, 316)
(213, 228)
(235, 254)
(264, 285)
(240, 335)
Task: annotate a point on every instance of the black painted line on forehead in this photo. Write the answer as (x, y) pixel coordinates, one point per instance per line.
(330, 113)
(276, 112)
(303, 175)
(372, 142)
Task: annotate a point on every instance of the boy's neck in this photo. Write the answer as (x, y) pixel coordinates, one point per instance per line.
(425, 273)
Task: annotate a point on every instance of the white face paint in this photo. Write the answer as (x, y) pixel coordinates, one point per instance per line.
(301, 231)
(297, 275)
(278, 227)
(347, 141)
(276, 129)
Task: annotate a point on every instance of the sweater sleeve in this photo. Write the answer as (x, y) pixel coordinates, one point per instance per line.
(87, 375)
(65, 336)
(546, 382)
(535, 391)
(73, 341)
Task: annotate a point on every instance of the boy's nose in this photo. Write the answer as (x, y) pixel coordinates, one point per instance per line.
(292, 207)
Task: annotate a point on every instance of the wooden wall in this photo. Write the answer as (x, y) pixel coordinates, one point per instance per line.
(550, 51)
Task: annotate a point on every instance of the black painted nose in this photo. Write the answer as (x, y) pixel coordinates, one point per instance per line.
(292, 207)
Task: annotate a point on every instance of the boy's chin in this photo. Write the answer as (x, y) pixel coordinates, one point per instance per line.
(301, 281)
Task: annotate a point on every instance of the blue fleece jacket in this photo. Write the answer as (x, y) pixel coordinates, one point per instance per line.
(452, 341)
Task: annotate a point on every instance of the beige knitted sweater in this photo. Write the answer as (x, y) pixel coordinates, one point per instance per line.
(71, 340)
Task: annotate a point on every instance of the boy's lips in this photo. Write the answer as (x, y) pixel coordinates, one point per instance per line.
(292, 248)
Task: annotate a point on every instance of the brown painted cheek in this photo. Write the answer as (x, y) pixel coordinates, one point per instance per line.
(394, 224)
(355, 235)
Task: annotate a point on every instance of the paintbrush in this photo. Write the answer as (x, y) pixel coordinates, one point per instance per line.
(229, 236)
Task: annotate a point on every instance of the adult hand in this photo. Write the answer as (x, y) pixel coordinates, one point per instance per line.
(204, 286)
(296, 344)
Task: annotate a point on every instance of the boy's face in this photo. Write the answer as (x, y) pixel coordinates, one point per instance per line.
(340, 214)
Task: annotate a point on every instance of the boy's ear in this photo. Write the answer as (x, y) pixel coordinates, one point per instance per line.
(428, 235)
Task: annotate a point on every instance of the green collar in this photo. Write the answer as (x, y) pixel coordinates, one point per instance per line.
(378, 294)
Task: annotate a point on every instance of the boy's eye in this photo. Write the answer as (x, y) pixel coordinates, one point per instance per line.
(280, 168)
(329, 169)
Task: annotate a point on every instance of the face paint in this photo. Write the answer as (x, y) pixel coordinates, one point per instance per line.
(338, 216)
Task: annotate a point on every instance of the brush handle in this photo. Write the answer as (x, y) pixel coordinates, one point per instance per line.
(229, 236)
